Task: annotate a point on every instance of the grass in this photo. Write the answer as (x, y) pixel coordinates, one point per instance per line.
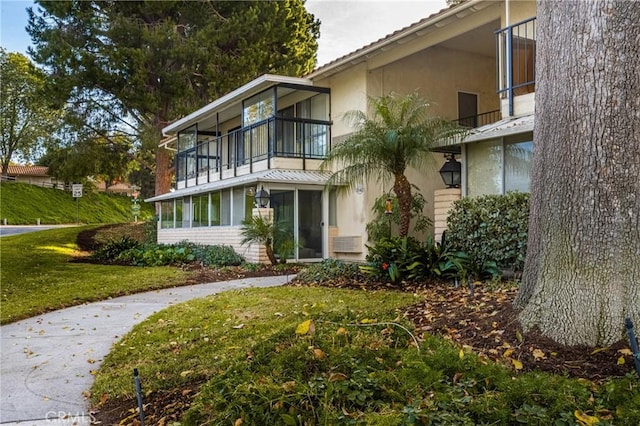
(23, 204)
(251, 356)
(38, 275)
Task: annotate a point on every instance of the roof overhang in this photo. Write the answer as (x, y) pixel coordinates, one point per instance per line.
(293, 177)
(421, 28)
(232, 99)
(505, 127)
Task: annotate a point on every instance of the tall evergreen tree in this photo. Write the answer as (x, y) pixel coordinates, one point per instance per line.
(139, 65)
(582, 270)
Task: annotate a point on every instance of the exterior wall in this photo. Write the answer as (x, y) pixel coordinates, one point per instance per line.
(439, 74)
(348, 93)
(518, 11)
(219, 235)
(444, 199)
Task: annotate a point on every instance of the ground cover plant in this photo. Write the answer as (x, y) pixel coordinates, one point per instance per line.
(304, 356)
(23, 204)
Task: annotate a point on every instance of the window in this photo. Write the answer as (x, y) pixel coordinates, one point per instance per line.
(258, 108)
(499, 165)
(215, 209)
(166, 215)
(179, 213)
(484, 168)
(200, 210)
(225, 207)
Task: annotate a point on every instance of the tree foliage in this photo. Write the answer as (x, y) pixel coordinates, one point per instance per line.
(26, 119)
(397, 135)
(133, 67)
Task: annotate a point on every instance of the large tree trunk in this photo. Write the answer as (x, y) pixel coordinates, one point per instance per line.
(582, 271)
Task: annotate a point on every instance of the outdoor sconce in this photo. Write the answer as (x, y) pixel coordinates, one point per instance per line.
(388, 209)
(262, 198)
(451, 172)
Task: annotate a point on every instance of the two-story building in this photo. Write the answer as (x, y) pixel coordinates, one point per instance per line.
(474, 61)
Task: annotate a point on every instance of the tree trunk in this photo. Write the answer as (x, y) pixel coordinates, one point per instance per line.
(402, 188)
(163, 157)
(582, 272)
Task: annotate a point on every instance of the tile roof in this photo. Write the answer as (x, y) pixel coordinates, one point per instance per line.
(28, 171)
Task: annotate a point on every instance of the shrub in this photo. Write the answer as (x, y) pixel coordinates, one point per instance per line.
(394, 259)
(379, 227)
(491, 228)
(110, 251)
(180, 254)
(328, 270)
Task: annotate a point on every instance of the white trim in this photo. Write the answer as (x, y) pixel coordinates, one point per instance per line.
(261, 83)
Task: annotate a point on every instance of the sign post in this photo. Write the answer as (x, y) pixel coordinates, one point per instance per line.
(135, 208)
(76, 191)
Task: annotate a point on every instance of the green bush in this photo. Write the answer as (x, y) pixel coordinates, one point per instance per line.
(491, 228)
(328, 270)
(110, 251)
(179, 254)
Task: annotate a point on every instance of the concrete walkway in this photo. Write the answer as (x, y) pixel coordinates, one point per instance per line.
(46, 361)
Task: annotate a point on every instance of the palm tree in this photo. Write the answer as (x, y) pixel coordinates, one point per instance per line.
(270, 233)
(399, 134)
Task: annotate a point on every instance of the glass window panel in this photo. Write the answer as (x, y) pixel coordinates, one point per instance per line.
(320, 107)
(309, 224)
(484, 168)
(179, 213)
(166, 212)
(200, 210)
(225, 208)
(249, 203)
(238, 205)
(258, 108)
(187, 139)
(215, 209)
(517, 166)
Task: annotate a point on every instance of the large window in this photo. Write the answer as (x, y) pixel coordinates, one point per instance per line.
(499, 165)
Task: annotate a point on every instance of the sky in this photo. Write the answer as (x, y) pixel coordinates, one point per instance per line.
(346, 25)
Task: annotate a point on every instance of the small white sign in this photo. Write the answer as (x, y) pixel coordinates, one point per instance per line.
(76, 190)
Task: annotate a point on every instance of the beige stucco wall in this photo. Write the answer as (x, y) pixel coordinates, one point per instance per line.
(438, 74)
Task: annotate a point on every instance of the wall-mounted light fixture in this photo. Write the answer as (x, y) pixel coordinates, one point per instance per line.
(262, 198)
(451, 172)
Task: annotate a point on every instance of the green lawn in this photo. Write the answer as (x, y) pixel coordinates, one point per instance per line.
(250, 357)
(38, 274)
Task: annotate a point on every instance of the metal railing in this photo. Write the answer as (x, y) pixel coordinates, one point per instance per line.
(479, 120)
(516, 56)
(274, 137)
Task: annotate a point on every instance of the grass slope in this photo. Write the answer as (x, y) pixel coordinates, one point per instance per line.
(38, 275)
(23, 204)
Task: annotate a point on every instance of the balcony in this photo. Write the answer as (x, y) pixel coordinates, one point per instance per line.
(276, 142)
(516, 56)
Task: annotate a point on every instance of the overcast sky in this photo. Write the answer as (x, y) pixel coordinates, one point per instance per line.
(346, 25)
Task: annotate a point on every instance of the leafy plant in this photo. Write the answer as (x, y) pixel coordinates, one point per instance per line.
(394, 259)
(491, 229)
(275, 235)
(381, 224)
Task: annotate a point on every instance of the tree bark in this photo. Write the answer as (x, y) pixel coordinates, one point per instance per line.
(582, 272)
(402, 188)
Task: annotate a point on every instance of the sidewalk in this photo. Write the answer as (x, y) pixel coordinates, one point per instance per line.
(46, 361)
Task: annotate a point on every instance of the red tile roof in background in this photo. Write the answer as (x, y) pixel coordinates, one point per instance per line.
(28, 171)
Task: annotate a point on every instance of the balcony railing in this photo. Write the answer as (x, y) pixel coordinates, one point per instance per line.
(480, 120)
(275, 137)
(516, 55)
